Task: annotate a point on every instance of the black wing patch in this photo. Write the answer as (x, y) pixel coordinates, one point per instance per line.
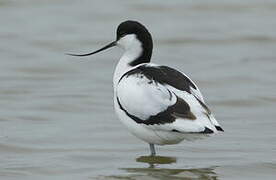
(164, 75)
(180, 109)
(219, 128)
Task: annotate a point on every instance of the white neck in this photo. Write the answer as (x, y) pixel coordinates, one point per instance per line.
(133, 49)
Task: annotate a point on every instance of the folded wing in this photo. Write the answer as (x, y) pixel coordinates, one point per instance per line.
(164, 99)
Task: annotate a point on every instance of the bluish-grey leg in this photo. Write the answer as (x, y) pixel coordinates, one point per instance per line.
(152, 150)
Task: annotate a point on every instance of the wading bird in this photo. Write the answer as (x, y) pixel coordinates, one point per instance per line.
(157, 104)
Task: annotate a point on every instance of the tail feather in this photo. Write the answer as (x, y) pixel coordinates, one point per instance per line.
(219, 128)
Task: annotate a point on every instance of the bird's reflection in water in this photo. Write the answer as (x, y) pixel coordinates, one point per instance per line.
(155, 160)
(154, 171)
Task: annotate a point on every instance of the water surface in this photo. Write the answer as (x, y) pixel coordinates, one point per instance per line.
(56, 112)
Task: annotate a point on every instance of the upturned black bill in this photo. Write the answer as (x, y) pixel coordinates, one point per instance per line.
(88, 54)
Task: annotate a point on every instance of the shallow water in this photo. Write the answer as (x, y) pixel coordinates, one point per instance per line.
(56, 112)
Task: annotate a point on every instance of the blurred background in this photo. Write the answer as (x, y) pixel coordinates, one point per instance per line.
(56, 112)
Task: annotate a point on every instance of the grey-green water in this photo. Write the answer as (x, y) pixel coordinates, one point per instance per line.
(56, 112)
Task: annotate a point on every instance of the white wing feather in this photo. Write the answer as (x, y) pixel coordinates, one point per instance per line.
(143, 98)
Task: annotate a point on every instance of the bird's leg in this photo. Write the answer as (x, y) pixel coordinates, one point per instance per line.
(152, 150)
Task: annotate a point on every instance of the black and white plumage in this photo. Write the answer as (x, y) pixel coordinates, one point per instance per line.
(158, 104)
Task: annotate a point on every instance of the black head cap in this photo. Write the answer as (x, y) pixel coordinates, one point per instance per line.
(141, 32)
